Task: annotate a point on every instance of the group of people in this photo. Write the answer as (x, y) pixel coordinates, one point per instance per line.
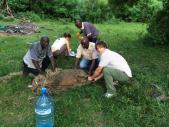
(92, 55)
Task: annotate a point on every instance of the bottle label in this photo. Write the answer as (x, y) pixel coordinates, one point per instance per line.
(43, 112)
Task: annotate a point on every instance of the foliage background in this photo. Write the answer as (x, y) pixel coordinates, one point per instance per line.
(158, 29)
(91, 10)
(153, 12)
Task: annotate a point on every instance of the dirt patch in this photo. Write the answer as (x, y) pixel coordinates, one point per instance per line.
(9, 76)
(61, 79)
(22, 28)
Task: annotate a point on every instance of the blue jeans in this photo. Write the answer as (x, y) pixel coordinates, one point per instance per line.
(85, 64)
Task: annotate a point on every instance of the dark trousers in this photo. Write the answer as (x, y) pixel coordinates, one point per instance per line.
(94, 40)
(45, 64)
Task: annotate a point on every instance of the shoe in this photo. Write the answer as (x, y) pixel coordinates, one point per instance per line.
(25, 72)
(109, 95)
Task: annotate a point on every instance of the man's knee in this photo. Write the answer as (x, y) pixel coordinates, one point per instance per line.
(83, 65)
(106, 70)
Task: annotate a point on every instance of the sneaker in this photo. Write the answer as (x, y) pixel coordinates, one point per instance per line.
(109, 95)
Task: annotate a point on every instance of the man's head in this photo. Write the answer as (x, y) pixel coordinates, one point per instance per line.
(78, 24)
(85, 42)
(101, 46)
(44, 41)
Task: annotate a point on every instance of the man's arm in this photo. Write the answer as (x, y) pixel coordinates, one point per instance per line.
(97, 73)
(92, 66)
(36, 64)
(77, 63)
(78, 56)
(52, 62)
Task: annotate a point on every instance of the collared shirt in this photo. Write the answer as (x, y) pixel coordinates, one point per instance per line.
(114, 60)
(89, 53)
(82, 26)
(36, 53)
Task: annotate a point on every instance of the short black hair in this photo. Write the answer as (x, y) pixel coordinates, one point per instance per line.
(101, 44)
(67, 35)
(44, 38)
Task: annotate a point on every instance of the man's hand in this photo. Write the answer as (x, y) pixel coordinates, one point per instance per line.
(77, 63)
(42, 72)
(53, 69)
(90, 73)
(90, 78)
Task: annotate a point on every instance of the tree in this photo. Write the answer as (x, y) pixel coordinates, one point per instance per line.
(4, 8)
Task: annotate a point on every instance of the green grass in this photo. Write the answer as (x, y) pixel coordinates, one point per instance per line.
(85, 106)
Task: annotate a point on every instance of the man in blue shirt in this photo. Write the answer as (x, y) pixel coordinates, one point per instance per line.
(88, 30)
(38, 57)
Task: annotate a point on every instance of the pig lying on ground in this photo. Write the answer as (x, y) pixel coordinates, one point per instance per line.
(59, 80)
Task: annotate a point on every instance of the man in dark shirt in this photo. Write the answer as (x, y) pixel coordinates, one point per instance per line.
(38, 57)
(88, 30)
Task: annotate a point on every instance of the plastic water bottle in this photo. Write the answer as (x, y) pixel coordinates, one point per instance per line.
(44, 110)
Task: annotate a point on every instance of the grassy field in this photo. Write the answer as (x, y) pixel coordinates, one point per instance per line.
(85, 106)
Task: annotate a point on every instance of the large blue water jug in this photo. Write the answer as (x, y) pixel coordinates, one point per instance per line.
(44, 110)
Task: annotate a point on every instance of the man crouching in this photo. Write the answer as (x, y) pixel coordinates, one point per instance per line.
(112, 66)
(38, 57)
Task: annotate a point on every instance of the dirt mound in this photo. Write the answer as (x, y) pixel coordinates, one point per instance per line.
(61, 79)
(21, 28)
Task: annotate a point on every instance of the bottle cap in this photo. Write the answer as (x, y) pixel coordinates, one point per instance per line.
(43, 90)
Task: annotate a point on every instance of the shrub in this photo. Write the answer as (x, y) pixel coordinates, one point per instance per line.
(120, 8)
(19, 5)
(93, 10)
(135, 10)
(158, 28)
(29, 15)
(144, 10)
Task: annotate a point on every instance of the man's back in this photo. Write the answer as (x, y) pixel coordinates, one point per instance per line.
(114, 60)
(90, 28)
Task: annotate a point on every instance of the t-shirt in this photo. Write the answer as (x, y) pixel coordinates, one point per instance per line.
(89, 53)
(58, 44)
(114, 60)
(36, 53)
(89, 28)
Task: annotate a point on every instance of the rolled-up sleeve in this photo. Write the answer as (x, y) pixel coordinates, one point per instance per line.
(79, 52)
(33, 52)
(94, 54)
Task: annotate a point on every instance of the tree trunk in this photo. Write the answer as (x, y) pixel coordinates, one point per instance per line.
(4, 8)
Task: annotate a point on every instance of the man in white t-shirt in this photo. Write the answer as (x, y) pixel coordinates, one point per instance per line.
(112, 66)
